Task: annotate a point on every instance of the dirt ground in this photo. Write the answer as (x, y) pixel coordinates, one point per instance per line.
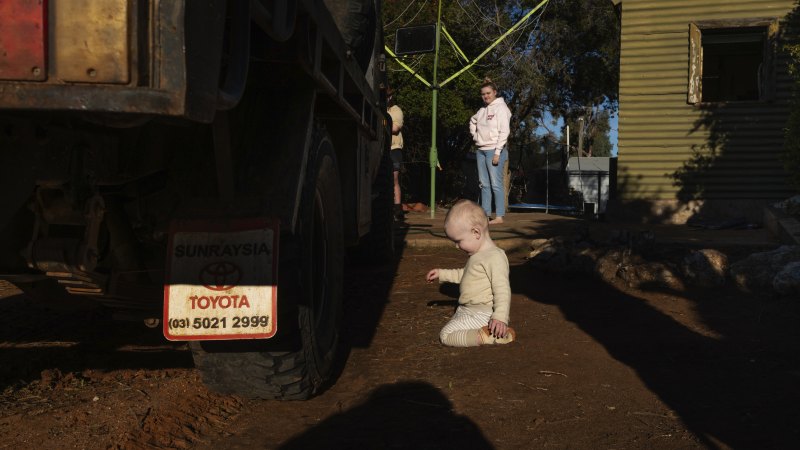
(595, 366)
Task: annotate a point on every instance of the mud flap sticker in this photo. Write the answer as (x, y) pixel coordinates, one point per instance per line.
(221, 280)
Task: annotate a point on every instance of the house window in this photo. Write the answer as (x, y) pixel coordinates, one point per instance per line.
(732, 60)
(731, 63)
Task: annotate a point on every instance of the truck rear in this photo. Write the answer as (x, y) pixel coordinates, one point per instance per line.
(201, 166)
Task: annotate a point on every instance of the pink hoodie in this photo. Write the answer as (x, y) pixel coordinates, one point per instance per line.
(490, 126)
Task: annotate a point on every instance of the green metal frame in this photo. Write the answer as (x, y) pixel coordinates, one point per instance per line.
(435, 86)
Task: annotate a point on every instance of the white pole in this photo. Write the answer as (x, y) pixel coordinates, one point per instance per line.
(547, 180)
(580, 172)
(567, 163)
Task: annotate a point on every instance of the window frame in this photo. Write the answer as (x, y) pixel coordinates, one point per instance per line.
(767, 75)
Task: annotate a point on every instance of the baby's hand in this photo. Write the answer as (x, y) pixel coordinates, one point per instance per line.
(497, 329)
(432, 275)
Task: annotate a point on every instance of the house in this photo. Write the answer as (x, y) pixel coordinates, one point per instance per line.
(703, 101)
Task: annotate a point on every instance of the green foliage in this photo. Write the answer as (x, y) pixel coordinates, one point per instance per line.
(564, 60)
(575, 65)
(602, 144)
(791, 157)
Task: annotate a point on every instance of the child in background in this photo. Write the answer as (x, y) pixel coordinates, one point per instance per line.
(485, 291)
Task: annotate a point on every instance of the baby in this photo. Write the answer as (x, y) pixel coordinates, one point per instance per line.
(483, 305)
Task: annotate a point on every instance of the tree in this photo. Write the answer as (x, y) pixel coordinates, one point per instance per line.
(596, 126)
(563, 60)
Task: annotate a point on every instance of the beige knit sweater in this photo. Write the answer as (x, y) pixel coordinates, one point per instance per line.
(483, 283)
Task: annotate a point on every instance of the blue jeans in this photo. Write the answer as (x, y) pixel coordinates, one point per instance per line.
(491, 178)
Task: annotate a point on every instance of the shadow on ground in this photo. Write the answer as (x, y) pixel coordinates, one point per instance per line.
(366, 293)
(392, 416)
(34, 339)
(736, 386)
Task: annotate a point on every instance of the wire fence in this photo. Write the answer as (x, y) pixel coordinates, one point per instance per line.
(534, 176)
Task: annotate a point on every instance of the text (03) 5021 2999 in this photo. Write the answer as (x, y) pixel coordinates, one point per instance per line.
(206, 323)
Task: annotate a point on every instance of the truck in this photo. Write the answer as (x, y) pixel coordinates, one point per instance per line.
(202, 166)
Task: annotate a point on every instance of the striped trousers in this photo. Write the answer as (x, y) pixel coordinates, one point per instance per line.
(463, 329)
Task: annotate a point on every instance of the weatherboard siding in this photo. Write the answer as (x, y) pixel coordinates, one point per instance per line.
(660, 134)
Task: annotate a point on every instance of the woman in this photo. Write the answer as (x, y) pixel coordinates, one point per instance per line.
(396, 152)
(490, 129)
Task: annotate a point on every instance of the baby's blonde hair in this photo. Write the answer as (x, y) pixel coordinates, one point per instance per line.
(469, 213)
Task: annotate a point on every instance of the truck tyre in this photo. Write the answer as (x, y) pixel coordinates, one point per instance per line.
(379, 246)
(310, 288)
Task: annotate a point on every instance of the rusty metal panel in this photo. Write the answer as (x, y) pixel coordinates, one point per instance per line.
(163, 25)
(671, 150)
(22, 40)
(89, 41)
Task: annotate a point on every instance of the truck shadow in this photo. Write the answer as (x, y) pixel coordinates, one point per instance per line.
(34, 339)
(366, 294)
(410, 414)
(737, 387)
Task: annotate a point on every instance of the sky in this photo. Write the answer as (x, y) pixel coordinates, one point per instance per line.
(613, 135)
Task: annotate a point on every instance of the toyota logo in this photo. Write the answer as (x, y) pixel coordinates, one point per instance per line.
(220, 276)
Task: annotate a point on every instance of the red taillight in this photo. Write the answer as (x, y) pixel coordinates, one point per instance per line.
(74, 41)
(23, 37)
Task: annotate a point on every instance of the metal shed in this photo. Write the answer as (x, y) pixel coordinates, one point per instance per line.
(592, 177)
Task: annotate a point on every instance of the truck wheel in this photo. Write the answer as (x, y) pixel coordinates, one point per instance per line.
(309, 291)
(378, 246)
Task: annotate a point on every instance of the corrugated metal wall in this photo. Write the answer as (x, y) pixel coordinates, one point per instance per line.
(669, 149)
